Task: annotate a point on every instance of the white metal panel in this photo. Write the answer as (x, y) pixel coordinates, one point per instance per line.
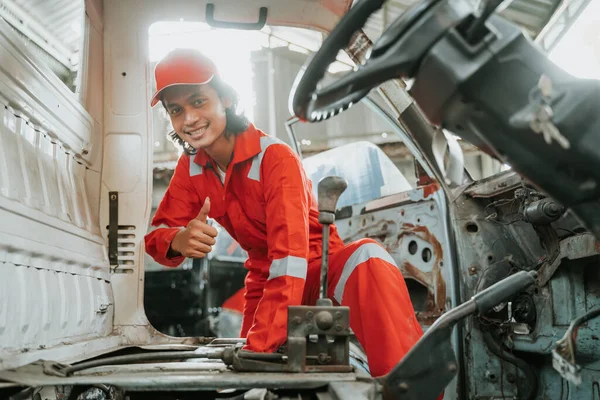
(54, 275)
(33, 89)
(46, 308)
(56, 23)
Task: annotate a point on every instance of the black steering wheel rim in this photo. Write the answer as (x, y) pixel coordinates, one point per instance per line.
(305, 86)
(414, 32)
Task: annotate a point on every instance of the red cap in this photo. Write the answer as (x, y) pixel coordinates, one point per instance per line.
(182, 67)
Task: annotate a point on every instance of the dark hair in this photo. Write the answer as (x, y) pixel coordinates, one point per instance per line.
(236, 121)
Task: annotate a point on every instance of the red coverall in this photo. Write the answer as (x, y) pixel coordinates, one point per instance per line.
(267, 206)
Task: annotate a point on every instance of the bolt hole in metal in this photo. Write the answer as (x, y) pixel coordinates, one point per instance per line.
(426, 254)
(413, 247)
(472, 227)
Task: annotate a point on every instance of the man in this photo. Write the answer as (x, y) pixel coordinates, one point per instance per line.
(255, 187)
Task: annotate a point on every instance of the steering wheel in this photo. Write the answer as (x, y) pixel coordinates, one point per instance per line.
(396, 54)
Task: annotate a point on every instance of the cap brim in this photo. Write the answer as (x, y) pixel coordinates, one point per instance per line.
(156, 97)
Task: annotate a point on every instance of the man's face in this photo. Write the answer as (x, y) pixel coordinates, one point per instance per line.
(197, 113)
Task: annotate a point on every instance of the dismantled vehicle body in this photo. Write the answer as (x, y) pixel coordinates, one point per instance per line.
(503, 272)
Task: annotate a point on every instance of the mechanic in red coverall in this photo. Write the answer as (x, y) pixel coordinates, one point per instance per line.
(254, 185)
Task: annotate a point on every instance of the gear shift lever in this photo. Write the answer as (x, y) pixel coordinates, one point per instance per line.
(330, 189)
(328, 323)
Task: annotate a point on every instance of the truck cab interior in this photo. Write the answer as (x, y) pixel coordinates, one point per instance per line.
(502, 270)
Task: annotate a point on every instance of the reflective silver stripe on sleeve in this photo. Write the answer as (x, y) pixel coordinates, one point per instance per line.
(359, 256)
(265, 142)
(288, 266)
(195, 169)
(161, 226)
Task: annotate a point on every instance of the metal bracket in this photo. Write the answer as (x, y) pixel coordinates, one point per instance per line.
(113, 228)
(571, 248)
(318, 341)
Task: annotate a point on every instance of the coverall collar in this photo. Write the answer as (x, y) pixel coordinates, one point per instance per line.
(247, 145)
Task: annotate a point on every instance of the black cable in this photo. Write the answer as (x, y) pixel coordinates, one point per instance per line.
(530, 377)
(562, 387)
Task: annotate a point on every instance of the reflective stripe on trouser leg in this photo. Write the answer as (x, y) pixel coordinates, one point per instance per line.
(381, 312)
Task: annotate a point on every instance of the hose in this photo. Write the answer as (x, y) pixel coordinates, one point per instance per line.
(530, 377)
(133, 358)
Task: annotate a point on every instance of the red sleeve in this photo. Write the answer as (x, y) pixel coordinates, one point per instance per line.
(287, 208)
(179, 205)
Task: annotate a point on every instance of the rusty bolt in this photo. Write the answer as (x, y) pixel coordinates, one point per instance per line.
(309, 315)
(384, 227)
(297, 320)
(338, 327)
(338, 315)
(324, 320)
(452, 367)
(403, 386)
(472, 270)
(323, 358)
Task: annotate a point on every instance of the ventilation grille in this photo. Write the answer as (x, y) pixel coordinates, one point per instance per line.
(125, 245)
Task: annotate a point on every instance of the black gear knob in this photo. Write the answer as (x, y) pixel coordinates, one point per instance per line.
(329, 190)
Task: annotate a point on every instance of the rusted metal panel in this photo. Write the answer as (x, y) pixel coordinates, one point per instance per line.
(410, 226)
(495, 185)
(571, 248)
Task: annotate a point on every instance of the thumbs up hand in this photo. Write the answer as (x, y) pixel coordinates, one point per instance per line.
(196, 239)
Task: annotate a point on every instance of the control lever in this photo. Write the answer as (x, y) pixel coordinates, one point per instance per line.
(329, 191)
(328, 324)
